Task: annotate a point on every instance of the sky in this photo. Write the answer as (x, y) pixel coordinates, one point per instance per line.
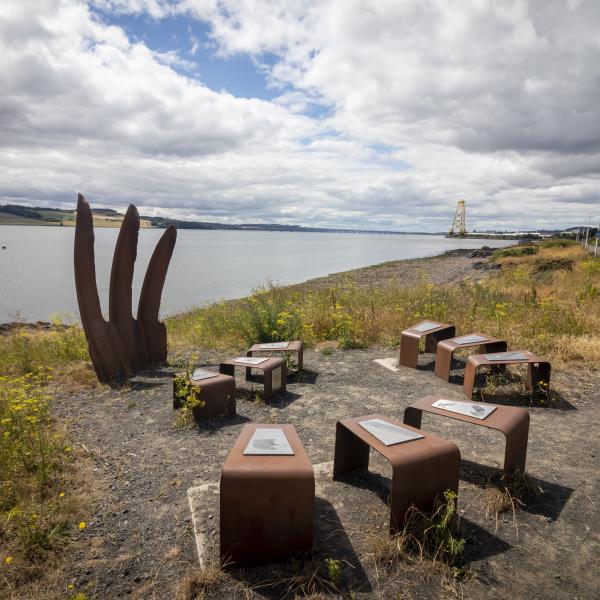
(331, 113)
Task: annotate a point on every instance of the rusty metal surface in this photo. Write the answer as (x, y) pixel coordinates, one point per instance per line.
(107, 352)
(268, 367)
(218, 395)
(120, 293)
(267, 502)
(446, 348)
(409, 341)
(421, 469)
(512, 421)
(122, 344)
(538, 370)
(294, 346)
(155, 332)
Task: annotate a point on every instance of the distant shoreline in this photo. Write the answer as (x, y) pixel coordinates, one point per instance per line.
(15, 215)
(450, 266)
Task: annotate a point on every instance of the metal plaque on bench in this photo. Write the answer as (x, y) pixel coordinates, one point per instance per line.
(200, 374)
(478, 411)
(274, 346)
(388, 433)
(250, 360)
(427, 326)
(506, 356)
(470, 339)
(268, 441)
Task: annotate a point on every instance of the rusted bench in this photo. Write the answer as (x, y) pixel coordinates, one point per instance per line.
(422, 469)
(267, 502)
(538, 369)
(217, 392)
(512, 421)
(411, 337)
(274, 373)
(446, 348)
(293, 347)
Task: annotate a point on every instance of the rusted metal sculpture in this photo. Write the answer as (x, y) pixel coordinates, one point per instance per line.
(267, 502)
(512, 421)
(446, 348)
(538, 369)
(292, 347)
(433, 332)
(421, 469)
(122, 344)
(274, 374)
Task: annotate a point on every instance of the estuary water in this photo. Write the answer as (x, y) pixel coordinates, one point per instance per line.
(36, 268)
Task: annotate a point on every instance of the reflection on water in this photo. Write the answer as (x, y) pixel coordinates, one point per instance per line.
(36, 268)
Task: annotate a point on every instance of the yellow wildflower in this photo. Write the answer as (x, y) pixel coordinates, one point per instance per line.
(82, 525)
(8, 560)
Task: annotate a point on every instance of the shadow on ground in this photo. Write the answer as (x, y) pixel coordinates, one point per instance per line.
(310, 575)
(543, 498)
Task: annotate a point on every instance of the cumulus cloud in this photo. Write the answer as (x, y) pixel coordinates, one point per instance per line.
(386, 112)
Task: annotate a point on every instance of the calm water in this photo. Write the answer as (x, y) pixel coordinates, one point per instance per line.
(36, 269)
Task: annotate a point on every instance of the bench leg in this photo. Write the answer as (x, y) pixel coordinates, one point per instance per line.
(538, 374)
(443, 360)
(350, 452)
(267, 385)
(227, 370)
(409, 351)
(300, 359)
(469, 379)
(412, 416)
(515, 453)
(422, 483)
(432, 339)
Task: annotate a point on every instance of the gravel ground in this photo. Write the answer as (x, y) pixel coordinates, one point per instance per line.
(139, 540)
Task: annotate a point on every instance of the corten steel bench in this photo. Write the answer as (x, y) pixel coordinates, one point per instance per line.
(218, 395)
(421, 469)
(267, 502)
(293, 347)
(538, 369)
(446, 348)
(410, 338)
(512, 421)
(274, 374)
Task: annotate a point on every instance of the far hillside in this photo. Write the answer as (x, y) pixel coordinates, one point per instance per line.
(12, 214)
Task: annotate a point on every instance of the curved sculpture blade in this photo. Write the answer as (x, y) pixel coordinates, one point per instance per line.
(155, 332)
(120, 294)
(105, 347)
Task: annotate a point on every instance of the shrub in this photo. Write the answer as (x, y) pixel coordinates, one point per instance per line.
(37, 499)
(543, 265)
(516, 251)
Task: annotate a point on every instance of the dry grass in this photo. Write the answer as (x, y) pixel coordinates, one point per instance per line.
(198, 581)
(509, 493)
(553, 312)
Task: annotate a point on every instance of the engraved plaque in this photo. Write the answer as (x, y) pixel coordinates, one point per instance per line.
(427, 326)
(478, 411)
(506, 356)
(388, 433)
(249, 360)
(276, 381)
(200, 374)
(268, 441)
(274, 346)
(470, 339)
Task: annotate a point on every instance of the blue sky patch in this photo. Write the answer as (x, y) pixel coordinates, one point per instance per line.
(190, 39)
